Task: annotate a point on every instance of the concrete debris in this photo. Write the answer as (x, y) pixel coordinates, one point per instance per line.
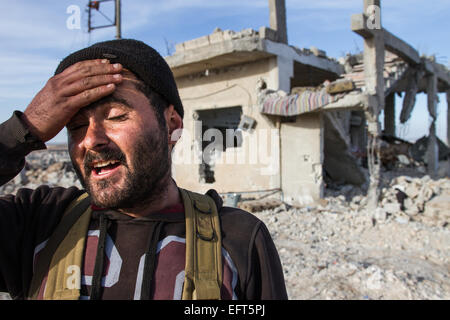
(423, 199)
(420, 147)
(337, 249)
(50, 167)
(259, 205)
(317, 52)
(395, 151)
(340, 86)
(394, 69)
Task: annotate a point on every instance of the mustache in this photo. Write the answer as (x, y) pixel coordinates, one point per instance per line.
(103, 155)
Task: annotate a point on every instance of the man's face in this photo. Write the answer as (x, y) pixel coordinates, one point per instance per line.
(119, 150)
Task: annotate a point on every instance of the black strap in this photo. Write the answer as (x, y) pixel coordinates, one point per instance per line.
(96, 288)
(150, 262)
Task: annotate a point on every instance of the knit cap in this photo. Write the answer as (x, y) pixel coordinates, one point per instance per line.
(138, 57)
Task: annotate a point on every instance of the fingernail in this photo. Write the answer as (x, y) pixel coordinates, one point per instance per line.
(110, 85)
(116, 65)
(117, 76)
(104, 60)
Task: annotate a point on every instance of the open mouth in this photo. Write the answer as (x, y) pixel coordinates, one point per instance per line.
(104, 168)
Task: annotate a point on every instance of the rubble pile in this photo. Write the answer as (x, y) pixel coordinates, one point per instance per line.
(336, 249)
(50, 167)
(416, 199)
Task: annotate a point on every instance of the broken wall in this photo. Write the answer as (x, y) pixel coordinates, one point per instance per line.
(301, 159)
(256, 164)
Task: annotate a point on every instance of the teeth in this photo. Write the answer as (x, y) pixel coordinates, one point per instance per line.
(101, 164)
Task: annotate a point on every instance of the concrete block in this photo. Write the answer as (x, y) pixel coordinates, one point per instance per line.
(340, 86)
(392, 207)
(179, 47)
(380, 215)
(249, 32)
(196, 43)
(412, 190)
(216, 37)
(317, 52)
(438, 206)
(228, 35)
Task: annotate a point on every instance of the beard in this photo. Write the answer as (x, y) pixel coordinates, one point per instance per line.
(147, 172)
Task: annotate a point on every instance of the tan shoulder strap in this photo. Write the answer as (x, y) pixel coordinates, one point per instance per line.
(63, 255)
(203, 270)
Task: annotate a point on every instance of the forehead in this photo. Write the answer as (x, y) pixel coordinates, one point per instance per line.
(126, 95)
(129, 78)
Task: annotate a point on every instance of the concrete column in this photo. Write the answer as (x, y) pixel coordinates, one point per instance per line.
(432, 151)
(373, 69)
(389, 115)
(277, 12)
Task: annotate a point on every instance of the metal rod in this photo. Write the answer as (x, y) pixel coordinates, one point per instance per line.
(106, 17)
(89, 18)
(105, 26)
(117, 20)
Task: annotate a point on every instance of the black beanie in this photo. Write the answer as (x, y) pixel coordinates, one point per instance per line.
(136, 56)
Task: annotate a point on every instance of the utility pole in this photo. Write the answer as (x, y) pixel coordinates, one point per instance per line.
(117, 20)
(95, 5)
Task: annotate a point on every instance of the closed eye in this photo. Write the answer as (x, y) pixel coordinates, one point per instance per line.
(119, 117)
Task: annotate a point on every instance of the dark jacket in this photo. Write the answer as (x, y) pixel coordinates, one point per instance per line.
(252, 268)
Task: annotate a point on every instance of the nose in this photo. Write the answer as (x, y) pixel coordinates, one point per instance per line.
(95, 136)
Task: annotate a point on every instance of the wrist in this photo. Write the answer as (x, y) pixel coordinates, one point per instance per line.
(32, 133)
(27, 132)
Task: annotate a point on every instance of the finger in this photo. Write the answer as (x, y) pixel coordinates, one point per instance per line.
(82, 64)
(89, 83)
(87, 97)
(89, 70)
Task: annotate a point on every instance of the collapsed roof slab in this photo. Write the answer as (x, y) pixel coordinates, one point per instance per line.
(226, 48)
(351, 101)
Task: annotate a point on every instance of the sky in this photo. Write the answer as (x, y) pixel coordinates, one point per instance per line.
(36, 35)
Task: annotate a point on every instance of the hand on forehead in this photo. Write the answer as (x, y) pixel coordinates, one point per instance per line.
(127, 86)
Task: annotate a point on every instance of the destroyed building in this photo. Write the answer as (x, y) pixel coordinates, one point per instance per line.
(284, 118)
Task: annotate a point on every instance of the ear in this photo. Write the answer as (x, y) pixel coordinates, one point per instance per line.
(174, 124)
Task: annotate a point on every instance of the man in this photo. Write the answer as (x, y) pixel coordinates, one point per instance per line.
(120, 105)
